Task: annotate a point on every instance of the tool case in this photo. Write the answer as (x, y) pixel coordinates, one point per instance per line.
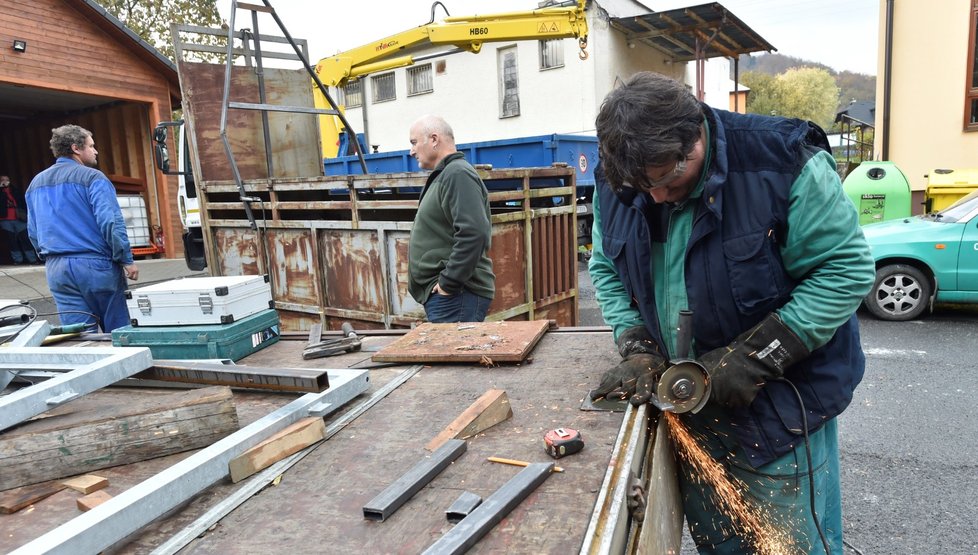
(206, 300)
(234, 341)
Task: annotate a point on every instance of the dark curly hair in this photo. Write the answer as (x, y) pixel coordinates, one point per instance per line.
(63, 137)
(650, 120)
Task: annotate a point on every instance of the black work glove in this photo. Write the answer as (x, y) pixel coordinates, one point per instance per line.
(762, 353)
(636, 374)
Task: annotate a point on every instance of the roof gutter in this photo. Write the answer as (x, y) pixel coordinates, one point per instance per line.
(887, 79)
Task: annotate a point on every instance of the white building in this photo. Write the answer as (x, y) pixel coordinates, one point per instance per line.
(526, 88)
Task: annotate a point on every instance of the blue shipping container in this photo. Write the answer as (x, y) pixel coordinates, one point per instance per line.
(577, 151)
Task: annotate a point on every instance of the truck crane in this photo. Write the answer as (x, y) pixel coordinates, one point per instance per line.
(463, 33)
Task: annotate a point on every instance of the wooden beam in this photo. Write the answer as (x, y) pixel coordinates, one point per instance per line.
(86, 484)
(488, 410)
(109, 428)
(16, 499)
(291, 440)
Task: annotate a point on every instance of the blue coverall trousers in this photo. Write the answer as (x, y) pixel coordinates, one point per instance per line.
(85, 288)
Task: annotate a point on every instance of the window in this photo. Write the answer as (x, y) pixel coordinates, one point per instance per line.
(383, 87)
(419, 80)
(971, 92)
(353, 94)
(509, 85)
(551, 53)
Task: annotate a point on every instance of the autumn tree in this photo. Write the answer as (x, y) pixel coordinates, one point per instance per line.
(803, 92)
(151, 20)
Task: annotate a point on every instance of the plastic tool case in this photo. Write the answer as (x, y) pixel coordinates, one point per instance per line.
(206, 300)
(234, 341)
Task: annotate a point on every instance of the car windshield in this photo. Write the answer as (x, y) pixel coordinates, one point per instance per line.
(962, 208)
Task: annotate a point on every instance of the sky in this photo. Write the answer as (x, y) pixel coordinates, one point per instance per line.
(841, 34)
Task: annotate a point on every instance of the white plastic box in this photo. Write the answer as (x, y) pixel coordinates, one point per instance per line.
(137, 220)
(192, 301)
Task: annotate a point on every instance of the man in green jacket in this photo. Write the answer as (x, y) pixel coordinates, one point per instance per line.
(449, 269)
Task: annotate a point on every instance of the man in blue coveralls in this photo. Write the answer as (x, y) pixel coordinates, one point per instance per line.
(741, 219)
(75, 223)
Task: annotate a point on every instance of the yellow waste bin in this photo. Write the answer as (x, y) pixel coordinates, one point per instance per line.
(946, 186)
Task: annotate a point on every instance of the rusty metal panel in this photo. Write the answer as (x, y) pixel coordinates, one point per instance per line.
(236, 252)
(294, 137)
(296, 321)
(402, 303)
(509, 261)
(293, 267)
(352, 264)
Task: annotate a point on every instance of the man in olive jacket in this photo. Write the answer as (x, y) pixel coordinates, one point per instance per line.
(448, 264)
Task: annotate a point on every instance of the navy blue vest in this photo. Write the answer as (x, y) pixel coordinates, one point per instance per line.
(734, 272)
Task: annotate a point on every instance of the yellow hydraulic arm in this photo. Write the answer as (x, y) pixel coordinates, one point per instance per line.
(466, 33)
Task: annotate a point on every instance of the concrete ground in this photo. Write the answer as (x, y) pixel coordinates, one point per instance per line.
(29, 283)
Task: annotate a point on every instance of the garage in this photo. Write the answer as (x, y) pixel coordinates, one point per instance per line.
(69, 61)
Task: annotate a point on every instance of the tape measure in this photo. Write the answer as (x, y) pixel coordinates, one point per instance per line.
(562, 442)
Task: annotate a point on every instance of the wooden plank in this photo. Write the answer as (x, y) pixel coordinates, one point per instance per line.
(86, 484)
(115, 428)
(16, 499)
(488, 410)
(92, 500)
(298, 436)
(479, 342)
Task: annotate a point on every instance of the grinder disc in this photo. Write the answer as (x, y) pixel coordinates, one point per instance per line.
(685, 385)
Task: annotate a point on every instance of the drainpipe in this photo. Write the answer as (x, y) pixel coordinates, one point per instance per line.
(888, 70)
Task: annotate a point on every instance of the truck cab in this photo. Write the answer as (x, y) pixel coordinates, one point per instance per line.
(188, 204)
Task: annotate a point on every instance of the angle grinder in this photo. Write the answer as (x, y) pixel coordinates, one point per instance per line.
(685, 385)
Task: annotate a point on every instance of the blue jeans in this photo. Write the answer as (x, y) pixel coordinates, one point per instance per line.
(21, 249)
(88, 285)
(463, 307)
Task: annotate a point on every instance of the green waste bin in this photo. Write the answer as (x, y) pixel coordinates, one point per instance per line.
(879, 190)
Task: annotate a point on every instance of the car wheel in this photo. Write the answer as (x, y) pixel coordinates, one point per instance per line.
(900, 293)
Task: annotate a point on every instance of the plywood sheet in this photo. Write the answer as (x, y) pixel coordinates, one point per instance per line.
(466, 342)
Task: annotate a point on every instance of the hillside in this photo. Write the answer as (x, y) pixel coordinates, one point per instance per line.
(852, 86)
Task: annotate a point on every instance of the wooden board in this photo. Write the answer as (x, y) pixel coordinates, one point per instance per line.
(85, 435)
(92, 500)
(86, 484)
(14, 500)
(298, 436)
(487, 411)
(478, 342)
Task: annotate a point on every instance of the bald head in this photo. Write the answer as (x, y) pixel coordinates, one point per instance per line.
(431, 140)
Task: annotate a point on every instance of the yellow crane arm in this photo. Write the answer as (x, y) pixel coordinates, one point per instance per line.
(467, 33)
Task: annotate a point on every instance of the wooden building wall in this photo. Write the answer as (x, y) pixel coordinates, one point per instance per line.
(68, 51)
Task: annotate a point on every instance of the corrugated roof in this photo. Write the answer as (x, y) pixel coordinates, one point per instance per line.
(676, 32)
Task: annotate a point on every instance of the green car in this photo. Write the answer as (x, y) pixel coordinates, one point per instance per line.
(925, 259)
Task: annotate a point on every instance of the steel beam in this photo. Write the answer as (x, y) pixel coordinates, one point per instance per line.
(97, 368)
(31, 336)
(117, 518)
(396, 494)
(470, 530)
(313, 380)
(610, 522)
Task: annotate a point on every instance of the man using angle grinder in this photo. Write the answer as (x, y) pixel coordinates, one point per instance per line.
(742, 220)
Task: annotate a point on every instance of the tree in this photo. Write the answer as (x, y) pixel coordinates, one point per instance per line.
(803, 92)
(151, 20)
(809, 93)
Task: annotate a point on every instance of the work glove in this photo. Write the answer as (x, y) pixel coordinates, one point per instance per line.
(636, 374)
(757, 356)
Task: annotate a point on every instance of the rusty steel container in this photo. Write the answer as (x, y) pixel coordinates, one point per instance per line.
(336, 247)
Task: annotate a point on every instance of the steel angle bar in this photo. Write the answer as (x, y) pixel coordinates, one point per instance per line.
(470, 530)
(124, 514)
(607, 532)
(109, 366)
(396, 494)
(180, 540)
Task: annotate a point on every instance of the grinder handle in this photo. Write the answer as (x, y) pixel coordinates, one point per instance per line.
(684, 338)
